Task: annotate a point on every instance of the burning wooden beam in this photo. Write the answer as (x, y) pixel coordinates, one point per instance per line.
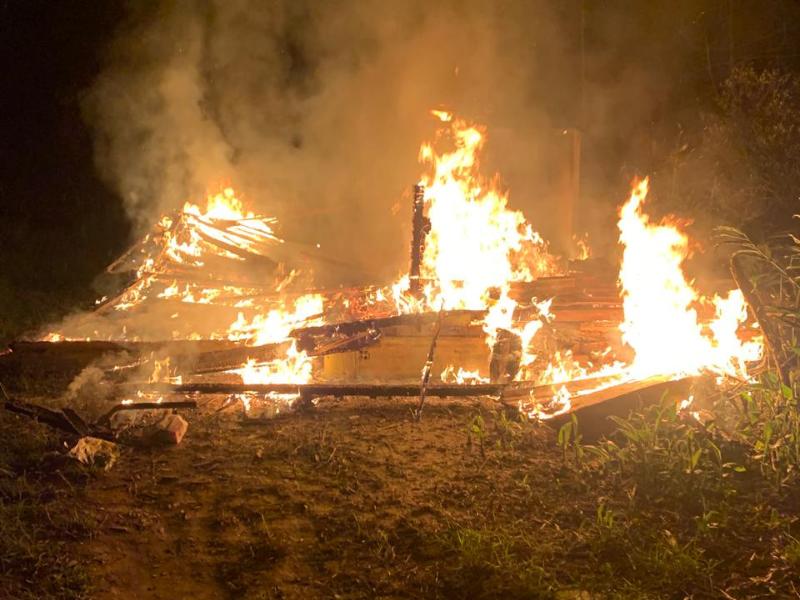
(451, 319)
(230, 358)
(315, 390)
(511, 393)
(594, 409)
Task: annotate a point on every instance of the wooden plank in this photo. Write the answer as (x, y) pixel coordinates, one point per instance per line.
(593, 410)
(78, 347)
(515, 391)
(229, 358)
(316, 389)
(420, 321)
(400, 358)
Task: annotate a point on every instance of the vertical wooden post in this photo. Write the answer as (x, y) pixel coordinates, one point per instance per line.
(420, 227)
(567, 188)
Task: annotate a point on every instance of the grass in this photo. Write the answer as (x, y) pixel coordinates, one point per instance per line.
(682, 510)
(23, 311)
(490, 564)
(40, 517)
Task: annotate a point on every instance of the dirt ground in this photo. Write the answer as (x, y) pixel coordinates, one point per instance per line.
(351, 499)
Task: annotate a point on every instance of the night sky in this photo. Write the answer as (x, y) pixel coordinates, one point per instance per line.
(58, 223)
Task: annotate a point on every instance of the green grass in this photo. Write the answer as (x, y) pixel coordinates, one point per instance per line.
(680, 510)
(40, 517)
(484, 563)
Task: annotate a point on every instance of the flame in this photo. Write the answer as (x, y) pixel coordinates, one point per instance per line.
(476, 243)
(183, 260)
(295, 367)
(443, 115)
(661, 322)
(477, 246)
(560, 403)
(245, 231)
(461, 375)
(275, 325)
(476, 249)
(582, 249)
(162, 372)
(223, 206)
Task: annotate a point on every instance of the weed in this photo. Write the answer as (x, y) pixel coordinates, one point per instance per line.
(569, 439)
(36, 525)
(508, 431)
(492, 564)
(791, 553)
(384, 549)
(604, 517)
(477, 428)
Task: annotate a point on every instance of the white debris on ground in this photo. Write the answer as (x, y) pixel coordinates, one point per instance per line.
(169, 430)
(95, 452)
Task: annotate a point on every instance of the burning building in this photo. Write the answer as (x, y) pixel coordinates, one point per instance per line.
(214, 300)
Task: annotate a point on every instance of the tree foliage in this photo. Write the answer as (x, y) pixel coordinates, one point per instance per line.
(744, 169)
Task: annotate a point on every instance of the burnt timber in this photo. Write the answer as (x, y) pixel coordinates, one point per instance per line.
(316, 390)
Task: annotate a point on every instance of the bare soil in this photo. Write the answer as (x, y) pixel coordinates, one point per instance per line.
(350, 499)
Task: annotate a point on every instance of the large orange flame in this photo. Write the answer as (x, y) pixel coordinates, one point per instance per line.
(476, 243)
(661, 321)
(477, 246)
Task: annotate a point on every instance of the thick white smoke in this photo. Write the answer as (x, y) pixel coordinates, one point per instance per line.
(313, 110)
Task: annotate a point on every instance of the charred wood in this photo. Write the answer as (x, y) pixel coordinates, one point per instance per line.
(251, 257)
(426, 370)
(231, 358)
(506, 356)
(595, 409)
(420, 320)
(357, 341)
(317, 389)
(420, 226)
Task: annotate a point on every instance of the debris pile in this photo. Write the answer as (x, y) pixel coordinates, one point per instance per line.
(217, 303)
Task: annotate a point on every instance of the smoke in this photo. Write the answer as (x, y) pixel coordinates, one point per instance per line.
(154, 140)
(314, 111)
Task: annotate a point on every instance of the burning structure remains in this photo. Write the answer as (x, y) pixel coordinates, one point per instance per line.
(215, 301)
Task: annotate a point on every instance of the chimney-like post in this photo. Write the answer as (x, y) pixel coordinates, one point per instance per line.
(567, 189)
(420, 227)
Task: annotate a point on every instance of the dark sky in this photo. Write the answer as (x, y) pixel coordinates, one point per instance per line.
(59, 224)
